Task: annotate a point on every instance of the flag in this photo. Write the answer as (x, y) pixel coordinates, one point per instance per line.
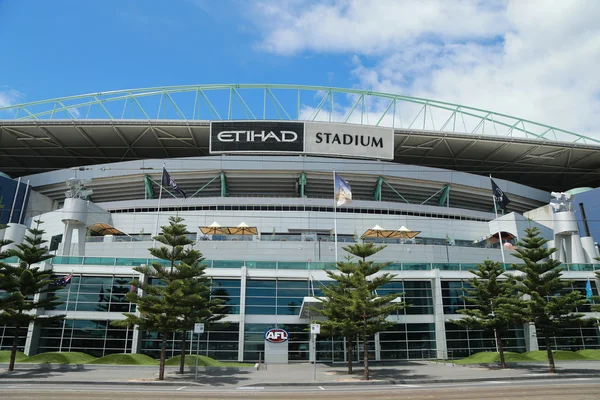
(499, 197)
(168, 181)
(64, 281)
(588, 291)
(101, 294)
(342, 191)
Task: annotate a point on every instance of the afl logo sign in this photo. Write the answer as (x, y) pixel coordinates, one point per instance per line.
(276, 335)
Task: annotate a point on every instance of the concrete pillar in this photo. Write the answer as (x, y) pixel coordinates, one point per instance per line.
(438, 310)
(33, 331)
(67, 236)
(81, 234)
(136, 335)
(531, 340)
(242, 330)
(16, 233)
(377, 347)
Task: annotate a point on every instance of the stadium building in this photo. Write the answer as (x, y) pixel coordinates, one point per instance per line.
(256, 163)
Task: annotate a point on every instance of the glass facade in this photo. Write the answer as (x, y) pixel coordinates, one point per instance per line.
(104, 293)
(463, 342)
(219, 341)
(408, 341)
(573, 339)
(95, 337)
(94, 300)
(275, 297)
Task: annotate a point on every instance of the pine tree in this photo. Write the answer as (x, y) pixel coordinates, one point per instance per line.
(179, 298)
(494, 304)
(26, 287)
(197, 302)
(352, 306)
(548, 307)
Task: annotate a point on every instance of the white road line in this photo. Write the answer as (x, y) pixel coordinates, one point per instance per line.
(183, 387)
(321, 387)
(407, 386)
(250, 388)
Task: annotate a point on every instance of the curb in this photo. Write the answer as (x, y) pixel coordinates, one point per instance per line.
(425, 381)
(311, 383)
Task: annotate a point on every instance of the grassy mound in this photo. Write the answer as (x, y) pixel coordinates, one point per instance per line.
(125, 359)
(204, 361)
(488, 357)
(72, 357)
(5, 356)
(559, 355)
(590, 354)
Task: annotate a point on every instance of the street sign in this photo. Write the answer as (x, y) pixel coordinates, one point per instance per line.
(199, 328)
(315, 328)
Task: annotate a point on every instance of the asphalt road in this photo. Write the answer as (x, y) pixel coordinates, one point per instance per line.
(579, 389)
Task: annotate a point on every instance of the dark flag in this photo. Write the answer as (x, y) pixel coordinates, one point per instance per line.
(101, 294)
(499, 196)
(64, 281)
(168, 181)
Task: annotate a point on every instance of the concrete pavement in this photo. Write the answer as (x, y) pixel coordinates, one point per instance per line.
(414, 372)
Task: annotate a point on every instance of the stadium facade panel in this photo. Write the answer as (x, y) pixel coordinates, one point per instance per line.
(97, 185)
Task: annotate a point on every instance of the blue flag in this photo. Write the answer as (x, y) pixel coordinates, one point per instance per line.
(342, 191)
(588, 290)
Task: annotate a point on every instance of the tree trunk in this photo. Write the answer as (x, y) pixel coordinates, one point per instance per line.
(550, 356)
(349, 354)
(366, 356)
(182, 361)
(13, 351)
(163, 356)
(500, 349)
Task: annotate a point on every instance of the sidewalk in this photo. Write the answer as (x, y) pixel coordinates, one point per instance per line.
(416, 372)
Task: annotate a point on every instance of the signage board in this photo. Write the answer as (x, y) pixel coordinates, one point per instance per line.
(198, 328)
(256, 137)
(315, 328)
(276, 335)
(349, 140)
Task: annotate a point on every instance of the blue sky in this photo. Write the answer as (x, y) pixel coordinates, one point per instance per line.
(533, 59)
(61, 48)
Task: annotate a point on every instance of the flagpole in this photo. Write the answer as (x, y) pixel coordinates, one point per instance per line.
(499, 230)
(158, 209)
(335, 220)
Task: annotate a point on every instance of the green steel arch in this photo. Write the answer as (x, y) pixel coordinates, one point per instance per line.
(288, 102)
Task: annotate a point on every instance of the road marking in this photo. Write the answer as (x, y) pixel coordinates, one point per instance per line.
(321, 387)
(250, 388)
(489, 382)
(583, 379)
(407, 386)
(183, 387)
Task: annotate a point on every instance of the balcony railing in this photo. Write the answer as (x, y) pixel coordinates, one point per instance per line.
(278, 265)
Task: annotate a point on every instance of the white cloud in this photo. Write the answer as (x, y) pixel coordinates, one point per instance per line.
(533, 59)
(10, 97)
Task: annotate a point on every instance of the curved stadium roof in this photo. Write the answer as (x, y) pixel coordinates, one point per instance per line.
(171, 122)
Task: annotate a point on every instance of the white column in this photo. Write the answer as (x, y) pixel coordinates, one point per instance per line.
(136, 336)
(241, 330)
(33, 332)
(81, 234)
(438, 311)
(67, 235)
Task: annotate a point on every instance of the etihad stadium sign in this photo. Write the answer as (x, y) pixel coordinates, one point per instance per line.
(317, 138)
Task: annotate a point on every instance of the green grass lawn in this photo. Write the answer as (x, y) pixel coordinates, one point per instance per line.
(203, 361)
(5, 356)
(60, 358)
(488, 357)
(125, 359)
(590, 354)
(559, 355)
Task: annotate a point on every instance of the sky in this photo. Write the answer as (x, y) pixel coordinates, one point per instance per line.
(535, 59)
